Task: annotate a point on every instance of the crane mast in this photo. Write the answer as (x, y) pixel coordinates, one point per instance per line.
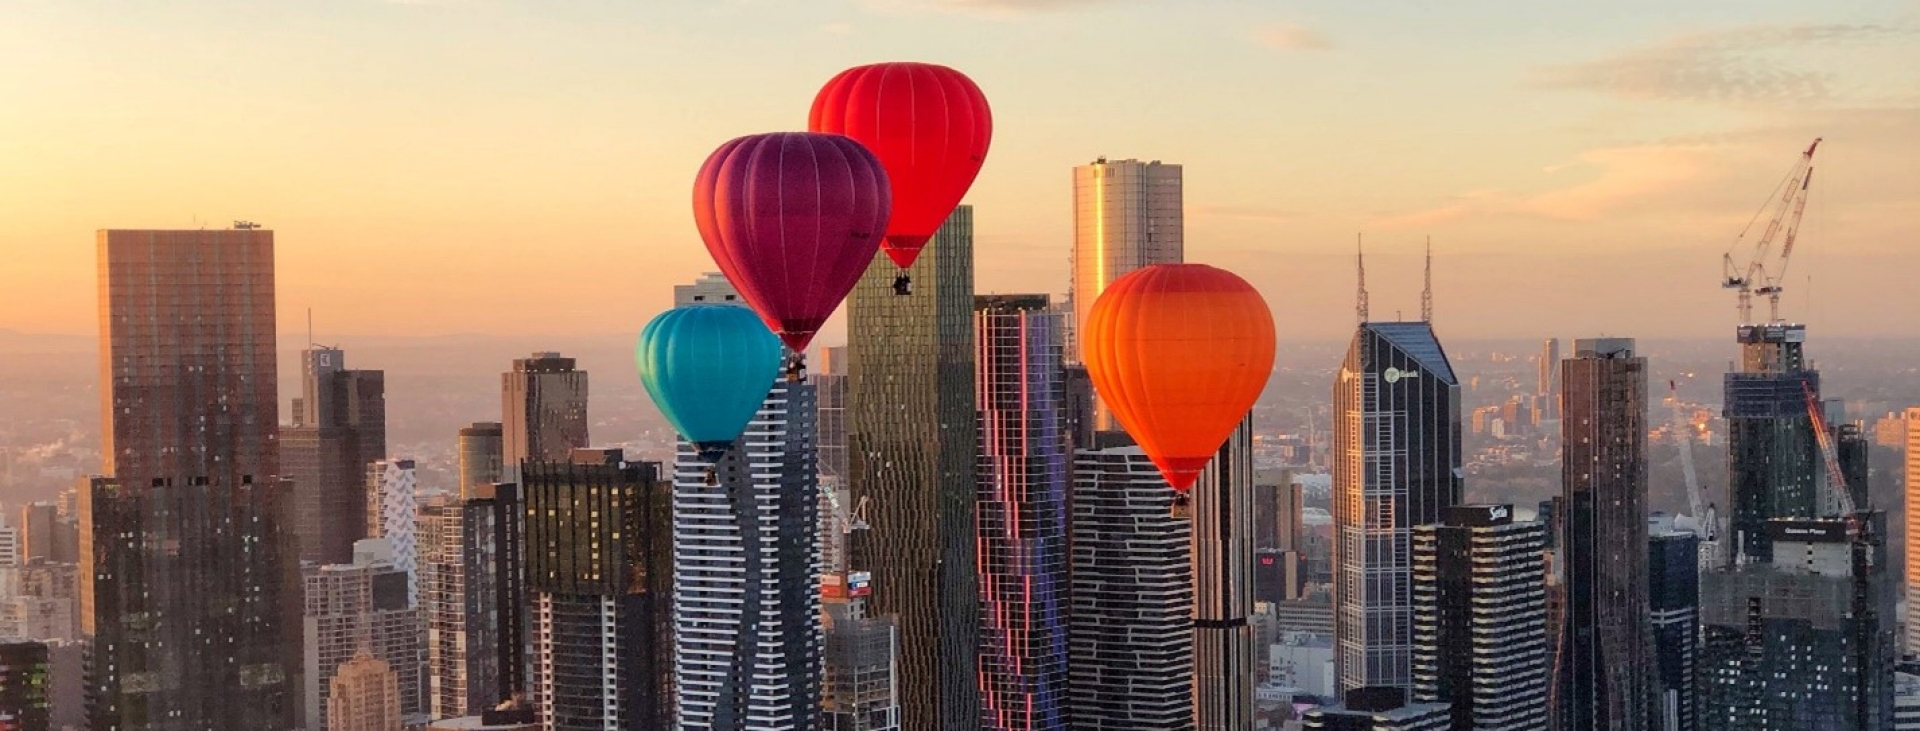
(1705, 514)
(1756, 275)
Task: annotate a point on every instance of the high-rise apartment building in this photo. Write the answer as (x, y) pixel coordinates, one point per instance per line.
(1912, 487)
(364, 696)
(393, 514)
(1605, 656)
(1130, 626)
(339, 425)
(1223, 556)
(829, 379)
(463, 569)
(1479, 628)
(543, 411)
(1127, 215)
(913, 453)
(858, 691)
(1773, 457)
(190, 600)
(1022, 514)
(1803, 641)
(354, 608)
(747, 565)
(1396, 464)
(1548, 386)
(482, 452)
(599, 567)
(1673, 594)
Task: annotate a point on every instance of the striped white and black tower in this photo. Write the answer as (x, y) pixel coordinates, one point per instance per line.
(746, 558)
(1479, 618)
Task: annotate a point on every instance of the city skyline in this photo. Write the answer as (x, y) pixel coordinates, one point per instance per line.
(1610, 143)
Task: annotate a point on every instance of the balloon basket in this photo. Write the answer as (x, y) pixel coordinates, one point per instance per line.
(713, 476)
(1182, 507)
(903, 285)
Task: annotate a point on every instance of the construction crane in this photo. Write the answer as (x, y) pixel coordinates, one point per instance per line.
(1840, 495)
(1756, 275)
(1705, 514)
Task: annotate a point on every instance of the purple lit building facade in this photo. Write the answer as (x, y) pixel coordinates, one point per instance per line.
(1022, 509)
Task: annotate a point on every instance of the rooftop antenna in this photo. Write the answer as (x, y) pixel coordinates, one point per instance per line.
(1360, 263)
(1426, 295)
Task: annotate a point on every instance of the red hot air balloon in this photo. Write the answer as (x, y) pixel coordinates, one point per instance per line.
(928, 124)
(793, 219)
(1179, 352)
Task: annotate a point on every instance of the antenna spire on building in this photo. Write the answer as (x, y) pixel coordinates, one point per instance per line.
(1360, 264)
(1426, 295)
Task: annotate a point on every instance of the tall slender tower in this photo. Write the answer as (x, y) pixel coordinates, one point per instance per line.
(1605, 649)
(1913, 519)
(543, 405)
(1396, 465)
(1127, 215)
(746, 559)
(1773, 457)
(913, 454)
(1023, 514)
(187, 523)
(339, 425)
(1223, 653)
(1548, 389)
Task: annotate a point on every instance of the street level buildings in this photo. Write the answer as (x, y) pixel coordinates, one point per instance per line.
(355, 608)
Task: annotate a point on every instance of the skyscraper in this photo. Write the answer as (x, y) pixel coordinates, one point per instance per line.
(1912, 484)
(1127, 215)
(1805, 640)
(1479, 629)
(829, 381)
(365, 696)
(598, 545)
(481, 456)
(355, 608)
(1130, 626)
(543, 406)
(1673, 581)
(1396, 444)
(1773, 458)
(913, 453)
(188, 520)
(1548, 388)
(339, 425)
(393, 514)
(1022, 517)
(1605, 657)
(1222, 554)
(461, 579)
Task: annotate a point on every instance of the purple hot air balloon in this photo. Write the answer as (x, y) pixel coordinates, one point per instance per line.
(793, 219)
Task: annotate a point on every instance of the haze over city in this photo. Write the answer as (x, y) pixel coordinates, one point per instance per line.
(427, 163)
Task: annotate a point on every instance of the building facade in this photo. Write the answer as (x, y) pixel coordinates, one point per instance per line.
(462, 572)
(393, 513)
(1130, 622)
(1912, 537)
(191, 506)
(913, 455)
(1379, 708)
(543, 411)
(600, 573)
(482, 456)
(1223, 568)
(1396, 464)
(1127, 215)
(1022, 514)
(1605, 650)
(1673, 594)
(859, 691)
(364, 696)
(25, 678)
(339, 425)
(1773, 457)
(360, 607)
(1479, 631)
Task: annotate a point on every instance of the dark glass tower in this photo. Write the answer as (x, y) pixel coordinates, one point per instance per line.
(191, 597)
(1480, 635)
(1604, 661)
(1022, 514)
(1773, 458)
(543, 411)
(598, 542)
(339, 425)
(1223, 532)
(1396, 442)
(1673, 593)
(913, 453)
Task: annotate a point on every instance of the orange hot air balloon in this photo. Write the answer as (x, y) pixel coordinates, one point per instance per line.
(1179, 352)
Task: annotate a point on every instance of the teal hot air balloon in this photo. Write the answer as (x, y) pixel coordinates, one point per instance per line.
(708, 368)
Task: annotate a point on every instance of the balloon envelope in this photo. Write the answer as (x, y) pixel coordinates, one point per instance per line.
(708, 368)
(1180, 353)
(793, 219)
(929, 125)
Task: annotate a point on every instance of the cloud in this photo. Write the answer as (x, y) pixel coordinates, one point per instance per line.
(1293, 38)
(1625, 177)
(1741, 65)
(838, 29)
(990, 8)
(1264, 214)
